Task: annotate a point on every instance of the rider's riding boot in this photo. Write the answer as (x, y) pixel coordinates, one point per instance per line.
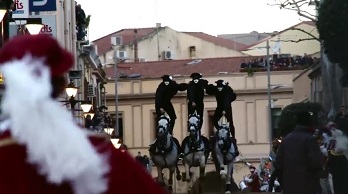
(153, 142)
(234, 141)
(178, 147)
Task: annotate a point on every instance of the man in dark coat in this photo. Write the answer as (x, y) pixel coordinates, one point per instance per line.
(195, 95)
(299, 159)
(224, 95)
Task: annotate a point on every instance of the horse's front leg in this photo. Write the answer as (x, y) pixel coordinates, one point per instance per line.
(229, 177)
(187, 171)
(202, 166)
(220, 160)
(160, 175)
(170, 180)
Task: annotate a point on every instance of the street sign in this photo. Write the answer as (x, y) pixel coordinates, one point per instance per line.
(50, 24)
(42, 5)
(22, 9)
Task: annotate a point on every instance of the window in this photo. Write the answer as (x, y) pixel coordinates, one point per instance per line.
(118, 134)
(192, 51)
(276, 112)
(154, 125)
(211, 131)
(316, 89)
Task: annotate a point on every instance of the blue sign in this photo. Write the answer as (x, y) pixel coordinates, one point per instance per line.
(42, 5)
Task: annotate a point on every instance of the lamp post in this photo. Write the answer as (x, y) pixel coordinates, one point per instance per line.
(269, 88)
(117, 132)
(115, 58)
(33, 25)
(86, 106)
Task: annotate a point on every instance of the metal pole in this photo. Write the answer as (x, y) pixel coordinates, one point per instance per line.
(116, 95)
(269, 108)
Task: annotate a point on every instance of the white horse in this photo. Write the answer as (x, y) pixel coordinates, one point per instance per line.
(164, 153)
(223, 153)
(195, 149)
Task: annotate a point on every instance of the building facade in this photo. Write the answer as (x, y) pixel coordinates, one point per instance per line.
(136, 98)
(246, 38)
(163, 43)
(299, 39)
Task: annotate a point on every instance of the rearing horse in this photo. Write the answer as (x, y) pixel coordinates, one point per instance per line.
(223, 153)
(195, 148)
(164, 152)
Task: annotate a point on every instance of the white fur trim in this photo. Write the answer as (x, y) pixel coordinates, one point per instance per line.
(53, 140)
(341, 142)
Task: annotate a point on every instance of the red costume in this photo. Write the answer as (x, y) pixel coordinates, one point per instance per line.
(253, 180)
(42, 149)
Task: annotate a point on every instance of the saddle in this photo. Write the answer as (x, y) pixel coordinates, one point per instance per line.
(155, 149)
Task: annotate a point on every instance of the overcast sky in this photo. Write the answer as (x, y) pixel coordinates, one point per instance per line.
(212, 17)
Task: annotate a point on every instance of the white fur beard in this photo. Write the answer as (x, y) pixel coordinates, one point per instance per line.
(54, 142)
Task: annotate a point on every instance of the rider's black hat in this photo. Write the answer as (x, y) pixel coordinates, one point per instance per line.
(220, 83)
(196, 75)
(167, 78)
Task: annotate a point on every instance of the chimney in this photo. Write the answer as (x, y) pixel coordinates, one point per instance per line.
(136, 58)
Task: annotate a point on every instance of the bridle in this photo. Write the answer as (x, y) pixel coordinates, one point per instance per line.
(193, 129)
(226, 141)
(162, 132)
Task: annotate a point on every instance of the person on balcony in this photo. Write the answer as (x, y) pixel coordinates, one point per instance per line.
(42, 149)
(80, 22)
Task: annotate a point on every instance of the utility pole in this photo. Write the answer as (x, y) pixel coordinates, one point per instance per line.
(269, 108)
(117, 132)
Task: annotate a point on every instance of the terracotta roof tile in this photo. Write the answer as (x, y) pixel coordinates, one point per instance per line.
(218, 40)
(155, 69)
(104, 43)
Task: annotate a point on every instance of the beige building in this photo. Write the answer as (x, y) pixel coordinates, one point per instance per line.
(137, 96)
(163, 43)
(294, 41)
(136, 100)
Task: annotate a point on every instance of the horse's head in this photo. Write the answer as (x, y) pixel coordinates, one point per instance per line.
(163, 126)
(193, 124)
(223, 135)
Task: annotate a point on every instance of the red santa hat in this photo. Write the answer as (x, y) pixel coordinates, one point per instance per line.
(42, 47)
(54, 142)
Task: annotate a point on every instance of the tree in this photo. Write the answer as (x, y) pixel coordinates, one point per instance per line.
(330, 72)
(287, 121)
(333, 30)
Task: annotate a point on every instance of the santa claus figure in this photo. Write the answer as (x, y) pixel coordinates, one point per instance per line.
(42, 150)
(253, 180)
(338, 157)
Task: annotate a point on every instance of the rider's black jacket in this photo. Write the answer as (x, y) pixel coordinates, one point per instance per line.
(224, 98)
(165, 93)
(195, 91)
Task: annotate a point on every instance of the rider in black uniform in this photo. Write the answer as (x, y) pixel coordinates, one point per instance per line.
(224, 95)
(166, 90)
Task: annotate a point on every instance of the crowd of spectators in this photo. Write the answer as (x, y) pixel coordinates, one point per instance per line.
(281, 61)
(144, 161)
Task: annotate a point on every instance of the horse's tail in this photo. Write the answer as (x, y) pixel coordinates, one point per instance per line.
(178, 174)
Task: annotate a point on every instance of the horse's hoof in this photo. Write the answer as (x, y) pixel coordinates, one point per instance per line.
(178, 177)
(223, 174)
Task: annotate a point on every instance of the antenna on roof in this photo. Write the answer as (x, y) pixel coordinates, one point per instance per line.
(194, 62)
